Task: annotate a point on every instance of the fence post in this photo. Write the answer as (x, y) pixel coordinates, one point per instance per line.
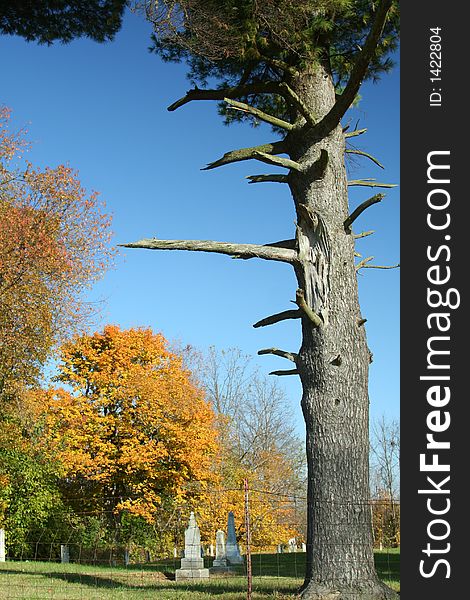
(248, 543)
(2, 545)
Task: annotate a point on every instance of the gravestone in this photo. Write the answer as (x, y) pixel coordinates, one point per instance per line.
(192, 564)
(220, 556)
(231, 549)
(292, 545)
(2, 545)
(64, 554)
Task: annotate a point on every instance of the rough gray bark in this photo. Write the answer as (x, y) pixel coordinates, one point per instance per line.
(333, 364)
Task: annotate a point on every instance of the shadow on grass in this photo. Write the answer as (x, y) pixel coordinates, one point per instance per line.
(207, 587)
(387, 566)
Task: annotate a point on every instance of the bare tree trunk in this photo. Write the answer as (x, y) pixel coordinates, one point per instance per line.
(333, 363)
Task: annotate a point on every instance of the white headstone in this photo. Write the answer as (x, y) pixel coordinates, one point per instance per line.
(220, 556)
(2, 545)
(231, 549)
(304, 547)
(64, 553)
(192, 565)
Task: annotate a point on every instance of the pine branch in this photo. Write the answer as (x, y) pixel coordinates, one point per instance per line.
(360, 209)
(292, 356)
(369, 156)
(278, 317)
(273, 178)
(259, 114)
(241, 250)
(359, 71)
(247, 154)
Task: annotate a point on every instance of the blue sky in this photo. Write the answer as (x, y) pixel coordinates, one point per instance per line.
(102, 109)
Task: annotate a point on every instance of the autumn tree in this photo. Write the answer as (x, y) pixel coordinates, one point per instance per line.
(298, 66)
(54, 243)
(48, 21)
(132, 431)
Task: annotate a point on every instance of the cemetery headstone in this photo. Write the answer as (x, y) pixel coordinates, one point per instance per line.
(220, 556)
(2, 545)
(64, 553)
(231, 549)
(192, 564)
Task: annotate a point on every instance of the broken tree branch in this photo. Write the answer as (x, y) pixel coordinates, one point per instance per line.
(292, 356)
(363, 234)
(259, 114)
(305, 308)
(239, 91)
(244, 90)
(277, 160)
(289, 93)
(291, 244)
(242, 250)
(363, 262)
(360, 209)
(355, 133)
(278, 317)
(247, 154)
(370, 183)
(369, 156)
(286, 372)
(273, 178)
(397, 266)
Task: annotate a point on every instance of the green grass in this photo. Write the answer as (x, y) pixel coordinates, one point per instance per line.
(275, 577)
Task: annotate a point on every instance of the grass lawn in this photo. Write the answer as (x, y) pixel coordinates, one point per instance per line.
(275, 576)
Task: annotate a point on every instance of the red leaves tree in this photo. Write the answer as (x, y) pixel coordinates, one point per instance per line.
(54, 243)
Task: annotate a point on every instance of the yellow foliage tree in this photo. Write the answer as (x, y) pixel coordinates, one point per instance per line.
(133, 431)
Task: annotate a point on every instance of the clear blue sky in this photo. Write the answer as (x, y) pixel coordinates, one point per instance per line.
(102, 109)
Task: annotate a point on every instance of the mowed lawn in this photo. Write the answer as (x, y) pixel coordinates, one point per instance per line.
(275, 576)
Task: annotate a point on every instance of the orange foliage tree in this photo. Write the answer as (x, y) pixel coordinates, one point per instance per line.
(134, 434)
(54, 243)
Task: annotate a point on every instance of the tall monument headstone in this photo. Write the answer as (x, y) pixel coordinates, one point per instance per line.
(192, 564)
(231, 549)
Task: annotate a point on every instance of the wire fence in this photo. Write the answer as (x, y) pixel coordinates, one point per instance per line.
(93, 554)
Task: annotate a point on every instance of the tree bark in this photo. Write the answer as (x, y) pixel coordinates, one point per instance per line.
(333, 363)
